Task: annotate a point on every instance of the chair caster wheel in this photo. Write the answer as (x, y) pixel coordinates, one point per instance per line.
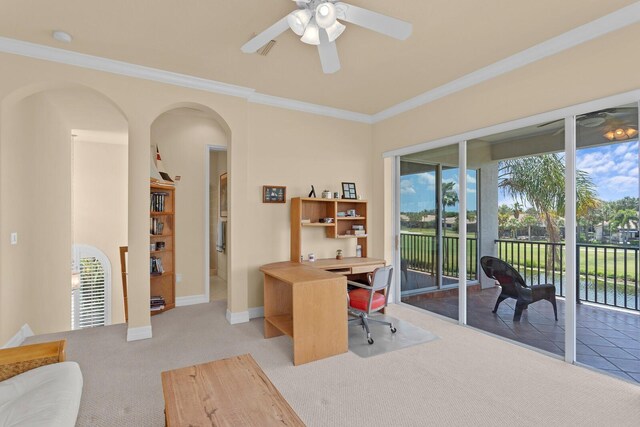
(393, 330)
(370, 340)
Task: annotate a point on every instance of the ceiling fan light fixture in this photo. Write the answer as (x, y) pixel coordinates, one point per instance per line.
(298, 20)
(620, 134)
(334, 31)
(326, 15)
(311, 34)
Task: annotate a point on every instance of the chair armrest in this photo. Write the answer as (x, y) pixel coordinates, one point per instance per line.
(359, 285)
(16, 360)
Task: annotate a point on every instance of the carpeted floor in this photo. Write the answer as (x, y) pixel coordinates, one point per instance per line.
(463, 378)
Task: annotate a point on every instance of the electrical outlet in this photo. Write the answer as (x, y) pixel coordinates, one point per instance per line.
(178, 278)
(14, 238)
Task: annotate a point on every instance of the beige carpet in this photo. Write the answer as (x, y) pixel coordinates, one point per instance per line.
(464, 378)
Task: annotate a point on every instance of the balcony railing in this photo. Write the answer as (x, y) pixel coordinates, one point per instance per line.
(608, 274)
(419, 251)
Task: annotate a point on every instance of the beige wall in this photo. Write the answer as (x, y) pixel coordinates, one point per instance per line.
(297, 150)
(217, 167)
(183, 137)
(100, 207)
(35, 276)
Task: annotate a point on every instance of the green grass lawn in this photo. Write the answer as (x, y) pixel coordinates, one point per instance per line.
(419, 252)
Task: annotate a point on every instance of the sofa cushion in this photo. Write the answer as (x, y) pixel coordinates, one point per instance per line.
(45, 396)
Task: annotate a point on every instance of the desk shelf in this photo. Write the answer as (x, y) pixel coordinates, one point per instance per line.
(283, 322)
(315, 209)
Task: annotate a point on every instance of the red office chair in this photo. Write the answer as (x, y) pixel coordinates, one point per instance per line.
(369, 299)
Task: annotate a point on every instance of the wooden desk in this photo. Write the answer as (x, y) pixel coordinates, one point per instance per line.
(307, 301)
(227, 392)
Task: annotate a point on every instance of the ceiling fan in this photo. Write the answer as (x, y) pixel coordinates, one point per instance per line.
(597, 118)
(318, 23)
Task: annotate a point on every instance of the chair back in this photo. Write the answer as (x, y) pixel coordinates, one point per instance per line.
(508, 277)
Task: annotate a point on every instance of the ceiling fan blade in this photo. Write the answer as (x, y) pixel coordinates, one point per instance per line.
(328, 54)
(374, 21)
(266, 36)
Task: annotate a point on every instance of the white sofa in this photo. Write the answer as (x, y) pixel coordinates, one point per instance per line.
(48, 395)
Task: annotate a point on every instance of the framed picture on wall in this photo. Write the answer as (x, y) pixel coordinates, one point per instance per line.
(223, 196)
(274, 194)
(349, 190)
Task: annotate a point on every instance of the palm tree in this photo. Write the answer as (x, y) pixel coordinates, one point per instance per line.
(623, 218)
(539, 181)
(529, 221)
(449, 198)
(517, 210)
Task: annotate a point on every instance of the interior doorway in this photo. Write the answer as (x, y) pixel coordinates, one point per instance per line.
(218, 223)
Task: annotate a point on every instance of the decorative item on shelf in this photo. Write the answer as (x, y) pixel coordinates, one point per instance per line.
(152, 247)
(159, 246)
(326, 194)
(359, 251)
(312, 193)
(336, 195)
(339, 254)
(274, 194)
(349, 190)
(326, 220)
(312, 257)
(305, 221)
(223, 196)
(351, 212)
(342, 214)
(160, 167)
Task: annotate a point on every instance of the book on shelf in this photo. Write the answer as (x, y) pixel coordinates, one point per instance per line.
(155, 265)
(158, 199)
(156, 226)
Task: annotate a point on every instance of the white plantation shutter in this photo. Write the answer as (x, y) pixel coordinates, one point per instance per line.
(90, 302)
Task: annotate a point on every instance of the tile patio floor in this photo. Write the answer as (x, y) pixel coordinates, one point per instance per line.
(607, 339)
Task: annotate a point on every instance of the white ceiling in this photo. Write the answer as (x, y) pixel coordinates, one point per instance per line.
(203, 38)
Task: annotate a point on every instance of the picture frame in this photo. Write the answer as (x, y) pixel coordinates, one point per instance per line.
(224, 203)
(274, 194)
(349, 190)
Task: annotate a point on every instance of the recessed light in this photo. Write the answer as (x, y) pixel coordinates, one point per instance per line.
(62, 36)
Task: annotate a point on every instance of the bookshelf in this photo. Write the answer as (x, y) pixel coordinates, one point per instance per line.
(312, 209)
(162, 247)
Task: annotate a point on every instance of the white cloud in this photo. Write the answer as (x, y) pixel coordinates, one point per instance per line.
(406, 187)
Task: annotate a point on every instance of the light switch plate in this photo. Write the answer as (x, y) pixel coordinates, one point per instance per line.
(14, 238)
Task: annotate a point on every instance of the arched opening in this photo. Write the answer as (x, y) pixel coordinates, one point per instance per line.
(64, 183)
(193, 142)
(91, 288)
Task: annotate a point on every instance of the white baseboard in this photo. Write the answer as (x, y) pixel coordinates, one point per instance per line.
(238, 317)
(256, 312)
(191, 300)
(141, 333)
(17, 340)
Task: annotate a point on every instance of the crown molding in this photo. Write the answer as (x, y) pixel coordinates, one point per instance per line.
(321, 110)
(609, 23)
(62, 56)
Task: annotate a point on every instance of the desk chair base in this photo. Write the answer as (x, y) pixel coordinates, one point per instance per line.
(363, 320)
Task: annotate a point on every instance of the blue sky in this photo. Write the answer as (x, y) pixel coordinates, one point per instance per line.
(613, 169)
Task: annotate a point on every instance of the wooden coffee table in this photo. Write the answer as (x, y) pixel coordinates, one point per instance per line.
(227, 392)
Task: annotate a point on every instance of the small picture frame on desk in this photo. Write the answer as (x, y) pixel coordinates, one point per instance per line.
(274, 194)
(349, 191)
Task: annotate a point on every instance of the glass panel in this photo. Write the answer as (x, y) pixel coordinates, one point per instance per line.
(608, 326)
(429, 221)
(521, 229)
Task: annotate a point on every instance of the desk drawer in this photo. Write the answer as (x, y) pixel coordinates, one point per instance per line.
(365, 268)
(343, 271)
